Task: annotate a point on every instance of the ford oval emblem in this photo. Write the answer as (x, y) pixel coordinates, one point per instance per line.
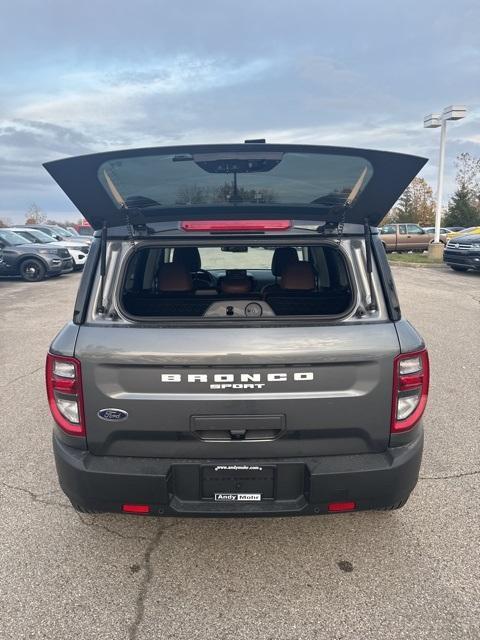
(112, 414)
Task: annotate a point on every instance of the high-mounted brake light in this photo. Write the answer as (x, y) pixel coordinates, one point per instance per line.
(410, 390)
(236, 225)
(64, 392)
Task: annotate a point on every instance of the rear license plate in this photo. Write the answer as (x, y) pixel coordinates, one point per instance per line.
(238, 483)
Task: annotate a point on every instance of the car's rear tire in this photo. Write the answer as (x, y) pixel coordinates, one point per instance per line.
(32, 270)
(456, 268)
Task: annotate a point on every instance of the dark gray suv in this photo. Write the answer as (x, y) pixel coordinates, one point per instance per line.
(33, 262)
(237, 346)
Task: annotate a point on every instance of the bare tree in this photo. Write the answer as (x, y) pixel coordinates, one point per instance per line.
(468, 180)
(34, 215)
(468, 172)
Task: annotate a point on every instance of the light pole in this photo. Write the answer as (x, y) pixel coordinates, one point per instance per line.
(432, 121)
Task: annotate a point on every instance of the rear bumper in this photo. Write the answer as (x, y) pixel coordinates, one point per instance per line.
(304, 486)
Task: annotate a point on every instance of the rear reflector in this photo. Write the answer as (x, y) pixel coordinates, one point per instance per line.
(341, 506)
(410, 390)
(236, 225)
(64, 391)
(135, 508)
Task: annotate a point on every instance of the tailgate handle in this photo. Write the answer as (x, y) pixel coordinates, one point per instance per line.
(228, 428)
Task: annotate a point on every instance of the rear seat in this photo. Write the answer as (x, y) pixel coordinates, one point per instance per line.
(297, 294)
(175, 295)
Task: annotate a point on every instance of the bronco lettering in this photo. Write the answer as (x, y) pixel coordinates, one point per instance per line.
(237, 381)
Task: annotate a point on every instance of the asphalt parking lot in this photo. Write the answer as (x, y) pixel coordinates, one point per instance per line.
(414, 573)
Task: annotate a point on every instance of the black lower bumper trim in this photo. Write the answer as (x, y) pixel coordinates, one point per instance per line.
(302, 487)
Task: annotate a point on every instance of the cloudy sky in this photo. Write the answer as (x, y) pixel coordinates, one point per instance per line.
(79, 77)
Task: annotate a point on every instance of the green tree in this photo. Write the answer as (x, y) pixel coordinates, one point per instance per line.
(462, 209)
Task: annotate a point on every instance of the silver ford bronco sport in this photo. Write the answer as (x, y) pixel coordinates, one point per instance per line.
(237, 346)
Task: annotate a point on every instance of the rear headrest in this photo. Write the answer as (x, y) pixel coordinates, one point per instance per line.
(298, 276)
(189, 256)
(281, 257)
(235, 284)
(174, 277)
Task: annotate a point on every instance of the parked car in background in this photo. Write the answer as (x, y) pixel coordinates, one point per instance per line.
(454, 229)
(31, 261)
(463, 232)
(463, 252)
(82, 230)
(78, 252)
(431, 231)
(404, 237)
(61, 234)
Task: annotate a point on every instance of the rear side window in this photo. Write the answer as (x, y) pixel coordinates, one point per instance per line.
(234, 281)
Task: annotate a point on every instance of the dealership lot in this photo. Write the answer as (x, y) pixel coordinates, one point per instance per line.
(407, 574)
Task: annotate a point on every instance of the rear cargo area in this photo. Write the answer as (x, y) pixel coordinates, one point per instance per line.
(196, 282)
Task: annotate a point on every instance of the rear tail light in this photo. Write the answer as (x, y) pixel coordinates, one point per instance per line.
(64, 392)
(236, 225)
(410, 389)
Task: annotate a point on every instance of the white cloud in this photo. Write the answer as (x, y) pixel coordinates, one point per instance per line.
(112, 98)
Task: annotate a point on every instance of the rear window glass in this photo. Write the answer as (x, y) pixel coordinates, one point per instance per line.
(230, 178)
